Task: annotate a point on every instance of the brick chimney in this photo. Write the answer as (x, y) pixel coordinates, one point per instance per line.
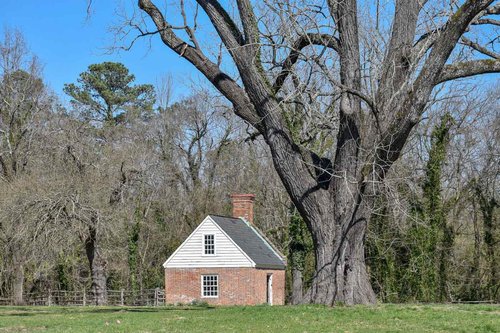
(243, 206)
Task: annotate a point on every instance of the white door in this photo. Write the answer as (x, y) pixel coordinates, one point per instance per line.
(270, 289)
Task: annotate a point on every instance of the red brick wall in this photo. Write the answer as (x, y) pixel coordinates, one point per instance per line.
(237, 286)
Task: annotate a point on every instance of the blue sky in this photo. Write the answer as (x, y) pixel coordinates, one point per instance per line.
(58, 32)
(66, 42)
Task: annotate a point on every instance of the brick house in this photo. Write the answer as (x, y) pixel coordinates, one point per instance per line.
(226, 261)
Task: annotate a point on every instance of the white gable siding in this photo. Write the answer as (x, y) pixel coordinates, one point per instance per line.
(190, 253)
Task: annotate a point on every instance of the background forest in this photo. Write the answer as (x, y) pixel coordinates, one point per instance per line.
(98, 193)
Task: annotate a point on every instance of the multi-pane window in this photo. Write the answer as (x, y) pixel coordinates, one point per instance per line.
(209, 244)
(210, 286)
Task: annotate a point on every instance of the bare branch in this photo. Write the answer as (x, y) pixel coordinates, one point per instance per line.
(189, 30)
(495, 10)
(486, 21)
(226, 85)
(469, 68)
(479, 48)
(140, 35)
(426, 41)
(397, 62)
(302, 42)
(249, 21)
(225, 26)
(446, 42)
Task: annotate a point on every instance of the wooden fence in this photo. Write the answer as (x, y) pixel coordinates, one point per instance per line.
(146, 297)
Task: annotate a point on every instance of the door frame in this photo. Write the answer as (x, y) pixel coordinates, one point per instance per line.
(269, 288)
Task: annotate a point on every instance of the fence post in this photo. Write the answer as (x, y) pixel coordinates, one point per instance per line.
(84, 297)
(49, 299)
(121, 298)
(156, 296)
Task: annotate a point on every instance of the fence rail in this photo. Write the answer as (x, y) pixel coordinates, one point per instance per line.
(145, 297)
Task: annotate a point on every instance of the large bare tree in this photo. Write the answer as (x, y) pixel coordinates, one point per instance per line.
(376, 106)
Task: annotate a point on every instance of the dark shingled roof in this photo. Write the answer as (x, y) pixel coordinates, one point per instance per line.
(250, 241)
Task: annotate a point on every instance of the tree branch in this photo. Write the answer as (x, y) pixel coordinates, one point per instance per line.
(226, 85)
(434, 71)
(249, 22)
(344, 13)
(445, 43)
(495, 10)
(398, 60)
(486, 21)
(230, 35)
(225, 26)
(479, 48)
(426, 41)
(469, 68)
(189, 31)
(140, 35)
(302, 42)
(251, 30)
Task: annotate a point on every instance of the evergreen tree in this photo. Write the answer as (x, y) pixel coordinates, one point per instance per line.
(105, 93)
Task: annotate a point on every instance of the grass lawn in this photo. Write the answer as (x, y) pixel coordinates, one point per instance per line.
(285, 319)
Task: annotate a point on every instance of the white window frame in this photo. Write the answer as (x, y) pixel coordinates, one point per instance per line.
(217, 285)
(203, 245)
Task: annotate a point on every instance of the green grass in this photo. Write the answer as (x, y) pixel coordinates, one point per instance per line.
(285, 319)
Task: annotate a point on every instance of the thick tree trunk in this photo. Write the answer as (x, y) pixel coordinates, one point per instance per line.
(97, 268)
(341, 276)
(335, 209)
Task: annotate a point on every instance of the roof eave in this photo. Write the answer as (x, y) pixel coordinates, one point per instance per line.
(277, 267)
